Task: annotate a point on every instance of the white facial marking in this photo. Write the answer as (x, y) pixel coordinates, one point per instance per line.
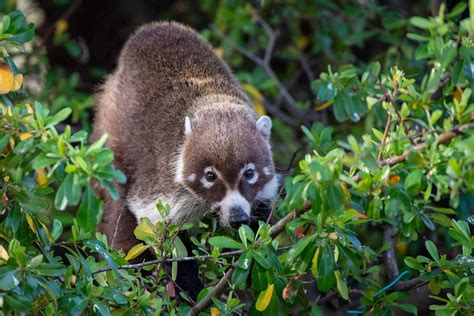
(187, 126)
(192, 177)
(205, 183)
(250, 166)
(264, 125)
(233, 198)
(270, 190)
(266, 171)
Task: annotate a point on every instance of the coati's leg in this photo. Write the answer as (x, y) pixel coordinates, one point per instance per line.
(119, 223)
(187, 278)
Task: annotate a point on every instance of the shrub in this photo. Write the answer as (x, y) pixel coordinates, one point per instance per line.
(366, 218)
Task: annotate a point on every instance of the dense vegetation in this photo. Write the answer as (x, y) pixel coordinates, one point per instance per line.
(378, 207)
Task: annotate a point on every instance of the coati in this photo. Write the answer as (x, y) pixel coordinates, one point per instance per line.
(183, 131)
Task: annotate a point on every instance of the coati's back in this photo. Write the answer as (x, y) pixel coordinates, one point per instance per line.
(183, 131)
(163, 67)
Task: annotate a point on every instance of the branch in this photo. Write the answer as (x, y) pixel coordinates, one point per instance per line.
(389, 255)
(216, 292)
(170, 260)
(443, 138)
(265, 64)
(385, 132)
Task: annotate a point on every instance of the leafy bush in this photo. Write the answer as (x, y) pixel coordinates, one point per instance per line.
(366, 218)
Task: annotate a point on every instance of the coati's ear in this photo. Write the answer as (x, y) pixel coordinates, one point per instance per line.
(264, 125)
(187, 126)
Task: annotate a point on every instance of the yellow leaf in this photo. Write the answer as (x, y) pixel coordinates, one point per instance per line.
(6, 78)
(256, 96)
(17, 82)
(219, 51)
(136, 251)
(393, 179)
(303, 42)
(214, 311)
(333, 236)
(3, 254)
(260, 108)
(264, 298)
(347, 194)
(29, 108)
(458, 94)
(25, 136)
(61, 27)
(46, 230)
(314, 266)
(41, 177)
(31, 223)
(324, 105)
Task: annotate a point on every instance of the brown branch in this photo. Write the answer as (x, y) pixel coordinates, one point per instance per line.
(265, 64)
(409, 285)
(443, 138)
(216, 292)
(389, 255)
(384, 138)
(134, 266)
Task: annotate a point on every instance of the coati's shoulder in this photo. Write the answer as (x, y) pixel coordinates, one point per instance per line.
(170, 55)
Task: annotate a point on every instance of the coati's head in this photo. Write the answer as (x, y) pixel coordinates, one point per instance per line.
(226, 161)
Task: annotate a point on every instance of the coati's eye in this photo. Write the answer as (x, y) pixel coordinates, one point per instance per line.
(249, 174)
(210, 176)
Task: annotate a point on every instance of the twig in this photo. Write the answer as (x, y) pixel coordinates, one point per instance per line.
(443, 138)
(389, 255)
(306, 67)
(265, 64)
(216, 292)
(409, 285)
(134, 266)
(69, 11)
(385, 132)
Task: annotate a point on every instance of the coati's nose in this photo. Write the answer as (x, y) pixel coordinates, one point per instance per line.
(238, 217)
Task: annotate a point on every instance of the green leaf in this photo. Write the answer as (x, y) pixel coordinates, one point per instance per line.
(326, 277)
(225, 242)
(339, 109)
(297, 249)
(413, 181)
(57, 229)
(59, 117)
(407, 308)
(100, 248)
(457, 10)
(72, 189)
(89, 209)
(341, 285)
(421, 23)
(260, 259)
(431, 247)
(60, 200)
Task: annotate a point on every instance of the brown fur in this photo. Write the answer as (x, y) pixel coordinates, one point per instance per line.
(165, 72)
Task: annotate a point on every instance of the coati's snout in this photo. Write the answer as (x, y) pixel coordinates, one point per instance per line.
(238, 217)
(226, 161)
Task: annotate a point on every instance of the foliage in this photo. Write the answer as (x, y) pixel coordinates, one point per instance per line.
(405, 180)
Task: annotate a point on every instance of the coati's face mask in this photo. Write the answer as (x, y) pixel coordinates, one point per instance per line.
(226, 161)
